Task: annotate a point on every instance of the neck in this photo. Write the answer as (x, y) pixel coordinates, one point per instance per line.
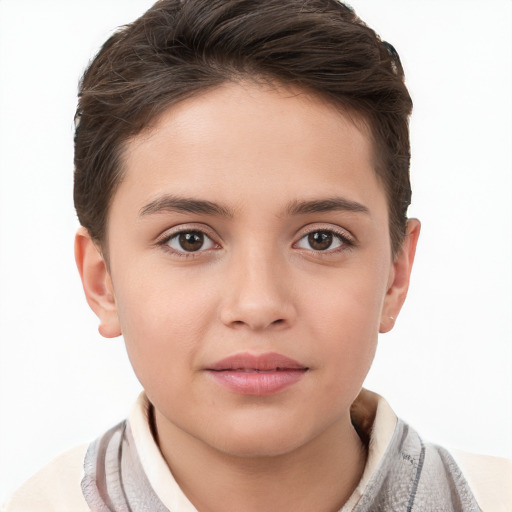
(319, 475)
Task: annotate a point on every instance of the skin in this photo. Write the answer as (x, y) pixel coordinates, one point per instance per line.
(256, 285)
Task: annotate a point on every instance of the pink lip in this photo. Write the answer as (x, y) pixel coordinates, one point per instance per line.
(258, 375)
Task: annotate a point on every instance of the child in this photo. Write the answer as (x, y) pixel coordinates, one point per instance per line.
(242, 183)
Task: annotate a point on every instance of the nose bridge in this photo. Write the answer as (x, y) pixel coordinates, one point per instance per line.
(257, 293)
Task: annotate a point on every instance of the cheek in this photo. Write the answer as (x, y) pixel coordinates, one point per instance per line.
(161, 303)
(348, 301)
(344, 315)
(163, 324)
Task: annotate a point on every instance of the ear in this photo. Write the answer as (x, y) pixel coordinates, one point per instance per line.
(97, 283)
(399, 277)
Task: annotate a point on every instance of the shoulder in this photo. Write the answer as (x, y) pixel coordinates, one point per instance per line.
(55, 488)
(490, 479)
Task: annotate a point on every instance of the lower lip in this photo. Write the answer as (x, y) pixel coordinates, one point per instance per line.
(258, 383)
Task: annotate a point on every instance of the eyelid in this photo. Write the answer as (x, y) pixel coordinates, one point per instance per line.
(164, 238)
(346, 236)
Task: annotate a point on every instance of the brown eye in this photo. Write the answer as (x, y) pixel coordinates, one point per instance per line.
(321, 240)
(190, 241)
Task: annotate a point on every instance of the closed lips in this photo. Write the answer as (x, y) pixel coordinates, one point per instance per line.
(257, 375)
(269, 362)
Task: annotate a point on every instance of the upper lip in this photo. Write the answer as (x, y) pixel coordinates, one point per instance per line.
(259, 362)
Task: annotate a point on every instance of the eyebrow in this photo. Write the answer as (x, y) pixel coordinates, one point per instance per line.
(170, 203)
(326, 205)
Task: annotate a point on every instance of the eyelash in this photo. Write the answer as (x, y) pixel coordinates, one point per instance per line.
(347, 242)
(167, 238)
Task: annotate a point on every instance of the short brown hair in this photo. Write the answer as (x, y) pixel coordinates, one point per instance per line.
(180, 47)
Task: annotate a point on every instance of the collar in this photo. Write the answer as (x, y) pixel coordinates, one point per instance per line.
(371, 415)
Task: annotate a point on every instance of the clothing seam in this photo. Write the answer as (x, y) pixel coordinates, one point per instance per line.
(417, 478)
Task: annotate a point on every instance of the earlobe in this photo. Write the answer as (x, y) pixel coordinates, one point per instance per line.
(97, 284)
(400, 277)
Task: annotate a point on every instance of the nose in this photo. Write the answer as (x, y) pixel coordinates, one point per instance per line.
(258, 293)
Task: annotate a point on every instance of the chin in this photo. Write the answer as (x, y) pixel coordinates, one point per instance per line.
(265, 438)
(258, 446)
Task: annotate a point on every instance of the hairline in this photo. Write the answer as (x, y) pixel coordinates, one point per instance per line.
(359, 119)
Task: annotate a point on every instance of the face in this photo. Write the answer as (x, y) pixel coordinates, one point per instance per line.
(250, 267)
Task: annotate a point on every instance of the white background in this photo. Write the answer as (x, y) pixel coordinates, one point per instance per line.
(447, 366)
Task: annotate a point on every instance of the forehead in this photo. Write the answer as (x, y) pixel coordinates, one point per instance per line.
(245, 140)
